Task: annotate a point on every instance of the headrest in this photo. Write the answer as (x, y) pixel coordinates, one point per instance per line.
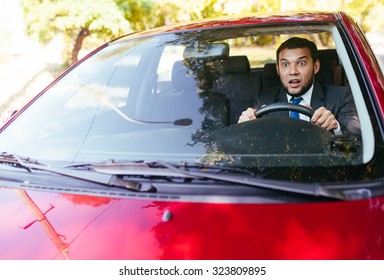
(329, 54)
(328, 60)
(183, 78)
(189, 76)
(270, 76)
(235, 64)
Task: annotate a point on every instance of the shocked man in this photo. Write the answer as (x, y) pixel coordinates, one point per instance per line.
(297, 64)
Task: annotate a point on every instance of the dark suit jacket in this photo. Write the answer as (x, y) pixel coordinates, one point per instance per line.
(336, 99)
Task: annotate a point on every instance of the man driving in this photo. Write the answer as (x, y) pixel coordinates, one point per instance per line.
(297, 64)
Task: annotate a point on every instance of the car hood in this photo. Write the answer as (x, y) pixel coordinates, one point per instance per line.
(43, 225)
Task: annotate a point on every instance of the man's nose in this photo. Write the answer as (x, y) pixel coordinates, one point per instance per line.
(293, 69)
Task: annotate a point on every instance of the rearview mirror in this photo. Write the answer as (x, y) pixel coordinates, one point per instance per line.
(217, 50)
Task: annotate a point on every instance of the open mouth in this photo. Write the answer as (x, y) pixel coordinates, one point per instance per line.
(294, 82)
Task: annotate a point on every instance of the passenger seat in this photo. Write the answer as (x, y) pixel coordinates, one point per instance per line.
(238, 84)
(193, 99)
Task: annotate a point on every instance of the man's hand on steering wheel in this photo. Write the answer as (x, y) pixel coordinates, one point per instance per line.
(321, 117)
(325, 119)
(247, 115)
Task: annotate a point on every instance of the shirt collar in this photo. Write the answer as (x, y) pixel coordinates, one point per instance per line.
(306, 96)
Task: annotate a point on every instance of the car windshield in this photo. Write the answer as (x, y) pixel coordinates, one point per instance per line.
(177, 97)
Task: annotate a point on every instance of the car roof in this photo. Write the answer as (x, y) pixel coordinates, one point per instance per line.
(247, 19)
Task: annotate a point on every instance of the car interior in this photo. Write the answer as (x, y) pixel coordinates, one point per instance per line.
(241, 84)
(184, 100)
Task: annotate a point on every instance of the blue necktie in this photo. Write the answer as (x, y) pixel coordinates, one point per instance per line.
(295, 100)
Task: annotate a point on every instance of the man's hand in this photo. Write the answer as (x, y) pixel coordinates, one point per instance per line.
(247, 115)
(324, 118)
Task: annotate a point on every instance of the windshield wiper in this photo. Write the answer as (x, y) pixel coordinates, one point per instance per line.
(113, 174)
(201, 171)
(14, 160)
(292, 187)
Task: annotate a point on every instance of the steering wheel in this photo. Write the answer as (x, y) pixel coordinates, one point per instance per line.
(284, 106)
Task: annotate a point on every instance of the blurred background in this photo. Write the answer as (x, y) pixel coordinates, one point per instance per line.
(40, 38)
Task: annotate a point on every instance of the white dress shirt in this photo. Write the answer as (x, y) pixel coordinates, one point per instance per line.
(306, 101)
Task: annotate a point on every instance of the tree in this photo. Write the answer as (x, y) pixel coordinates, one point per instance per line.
(75, 21)
(138, 13)
(101, 20)
(145, 14)
(368, 13)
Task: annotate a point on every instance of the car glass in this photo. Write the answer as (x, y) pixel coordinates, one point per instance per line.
(176, 98)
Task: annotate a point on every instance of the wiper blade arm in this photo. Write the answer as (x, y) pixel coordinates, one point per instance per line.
(100, 178)
(29, 164)
(292, 187)
(231, 175)
(139, 168)
(14, 160)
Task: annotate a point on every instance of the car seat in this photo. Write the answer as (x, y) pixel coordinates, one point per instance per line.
(193, 98)
(237, 83)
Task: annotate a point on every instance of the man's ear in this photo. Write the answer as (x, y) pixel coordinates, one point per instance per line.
(277, 69)
(316, 66)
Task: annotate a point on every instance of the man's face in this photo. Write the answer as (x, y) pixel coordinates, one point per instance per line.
(296, 70)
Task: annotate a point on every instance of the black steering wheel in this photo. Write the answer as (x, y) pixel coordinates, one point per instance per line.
(284, 106)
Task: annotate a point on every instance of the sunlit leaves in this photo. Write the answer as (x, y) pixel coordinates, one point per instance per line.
(47, 19)
(106, 19)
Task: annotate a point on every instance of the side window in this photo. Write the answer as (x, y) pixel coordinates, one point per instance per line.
(367, 136)
(121, 78)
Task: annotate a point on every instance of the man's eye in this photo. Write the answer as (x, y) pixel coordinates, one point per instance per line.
(302, 63)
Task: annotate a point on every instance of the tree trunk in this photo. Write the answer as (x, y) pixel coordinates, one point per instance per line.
(84, 32)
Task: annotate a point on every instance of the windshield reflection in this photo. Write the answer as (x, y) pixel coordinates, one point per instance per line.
(158, 98)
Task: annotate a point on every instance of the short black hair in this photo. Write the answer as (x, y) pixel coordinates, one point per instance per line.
(301, 43)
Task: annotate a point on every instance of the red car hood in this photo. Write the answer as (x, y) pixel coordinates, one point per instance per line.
(39, 225)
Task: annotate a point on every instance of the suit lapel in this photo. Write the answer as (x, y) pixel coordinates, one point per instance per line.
(318, 97)
(281, 96)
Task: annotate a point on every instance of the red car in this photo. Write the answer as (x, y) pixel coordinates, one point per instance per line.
(136, 151)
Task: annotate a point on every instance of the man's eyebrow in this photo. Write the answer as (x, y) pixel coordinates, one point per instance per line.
(301, 57)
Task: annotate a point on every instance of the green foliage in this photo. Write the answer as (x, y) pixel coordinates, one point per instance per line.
(96, 21)
(138, 13)
(368, 13)
(74, 20)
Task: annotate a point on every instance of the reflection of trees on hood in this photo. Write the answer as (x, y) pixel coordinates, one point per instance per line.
(93, 201)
